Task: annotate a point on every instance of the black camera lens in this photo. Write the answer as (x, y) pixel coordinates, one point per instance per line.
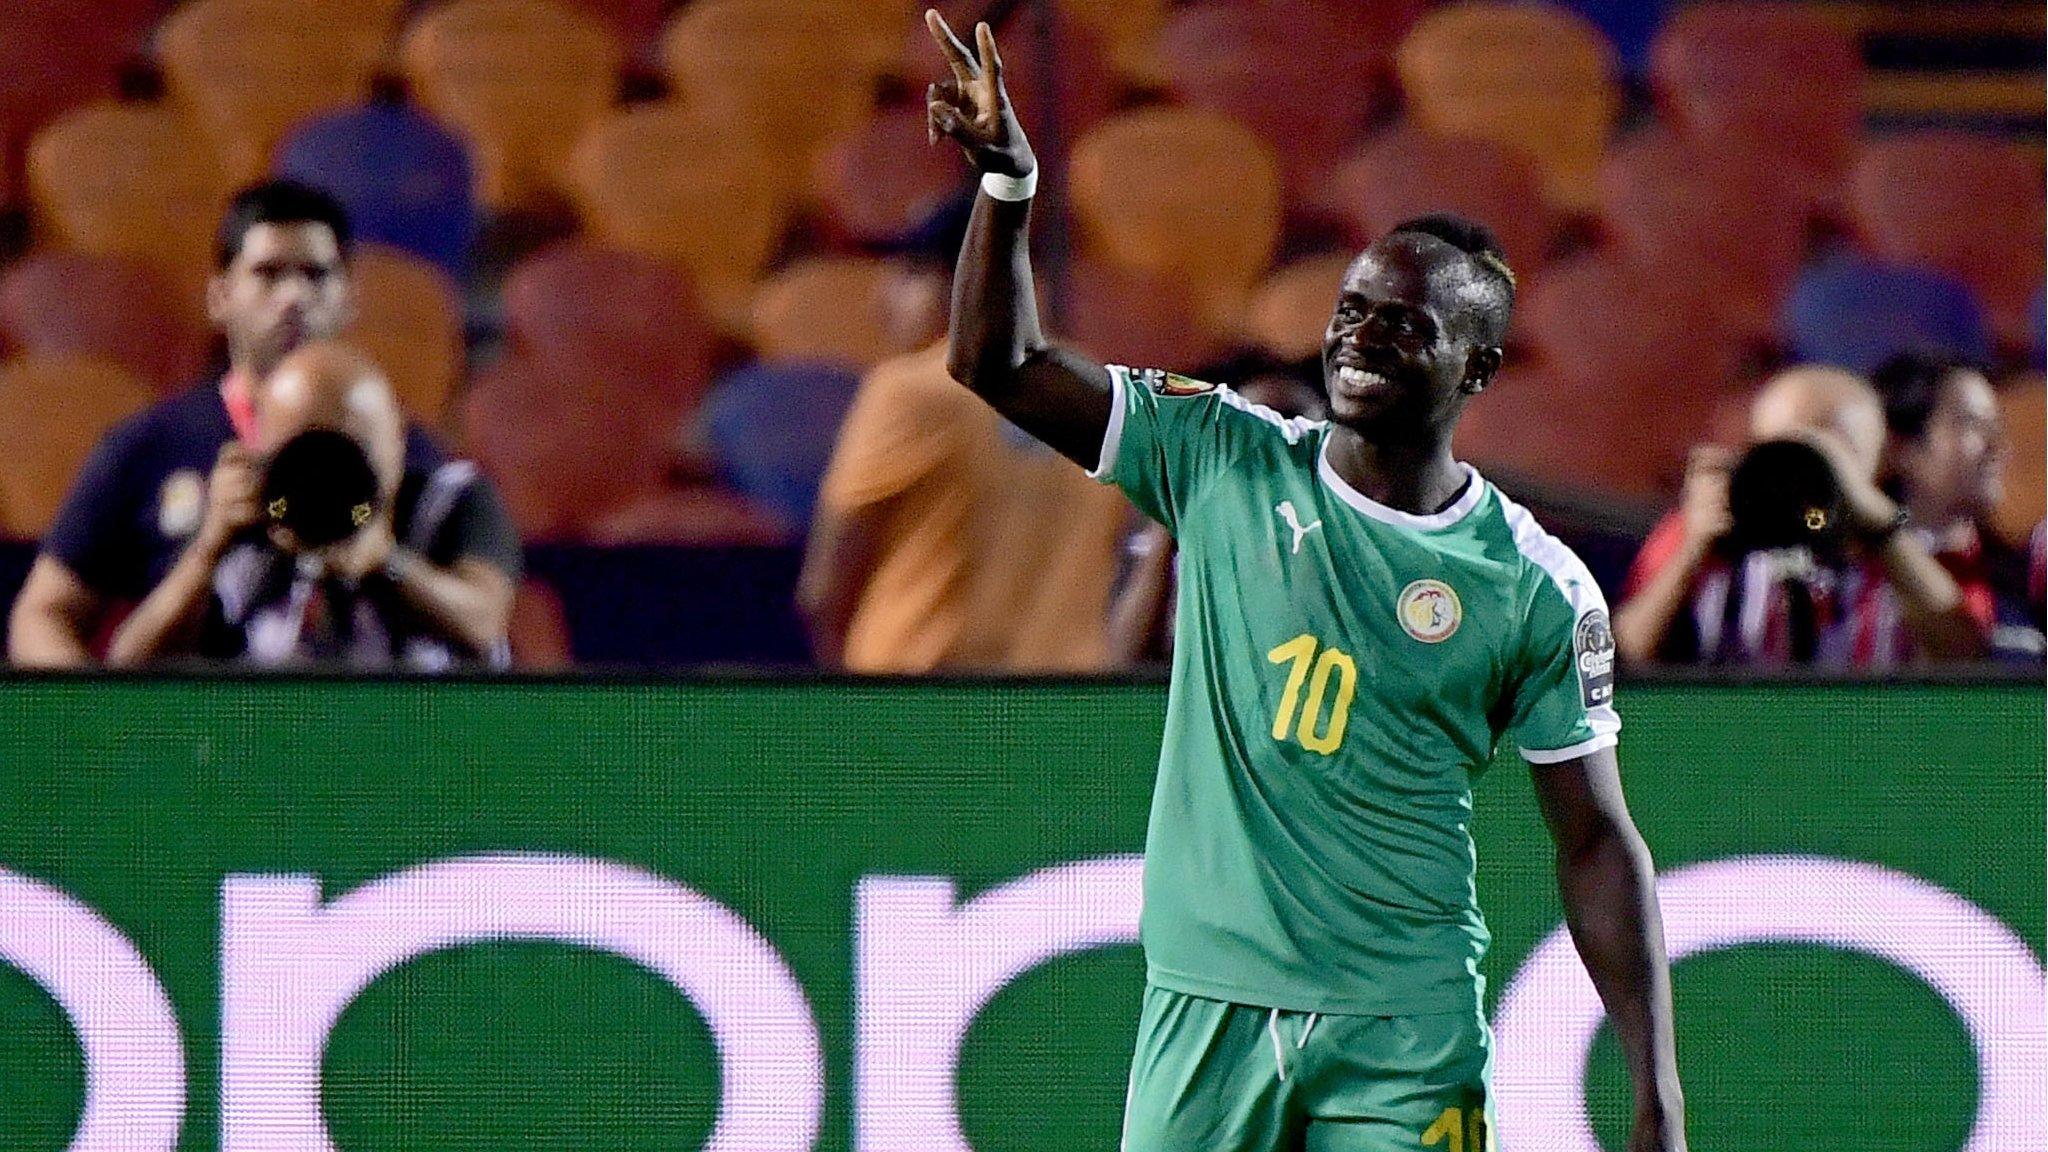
(320, 485)
(1783, 494)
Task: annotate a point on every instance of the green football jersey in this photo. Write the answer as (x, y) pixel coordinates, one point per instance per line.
(1342, 672)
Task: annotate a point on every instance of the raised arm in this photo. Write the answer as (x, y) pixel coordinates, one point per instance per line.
(996, 347)
(1609, 891)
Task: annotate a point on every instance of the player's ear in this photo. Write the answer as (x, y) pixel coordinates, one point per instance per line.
(1480, 367)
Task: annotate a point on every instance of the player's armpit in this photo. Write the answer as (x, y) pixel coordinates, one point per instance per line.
(1063, 398)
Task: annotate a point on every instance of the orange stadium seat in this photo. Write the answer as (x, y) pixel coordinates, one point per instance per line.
(662, 182)
(1124, 30)
(251, 69)
(1770, 81)
(1304, 77)
(1967, 205)
(539, 629)
(1685, 212)
(1526, 76)
(68, 303)
(1291, 310)
(2021, 405)
(1180, 193)
(830, 309)
(523, 79)
(410, 323)
(882, 182)
(1128, 316)
(733, 63)
(1406, 172)
(57, 408)
(130, 180)
(625, 327)
(1640, 360)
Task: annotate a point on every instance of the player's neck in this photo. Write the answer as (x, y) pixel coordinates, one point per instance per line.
(1420, 478)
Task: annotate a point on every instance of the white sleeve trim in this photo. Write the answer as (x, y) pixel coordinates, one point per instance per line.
(1112, 436)
(1582, 748)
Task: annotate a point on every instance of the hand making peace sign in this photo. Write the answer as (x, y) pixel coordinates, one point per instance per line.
(972, 109)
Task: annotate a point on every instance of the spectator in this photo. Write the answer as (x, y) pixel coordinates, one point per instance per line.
(1141, 622)
(945, 538)
(281, 280)
(424, 579)
(1945, 463)
(1886, 600)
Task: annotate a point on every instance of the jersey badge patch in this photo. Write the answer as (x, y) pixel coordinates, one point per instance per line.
(1429, 611)
(1175, 384)
(181, 504)
(1593, 650)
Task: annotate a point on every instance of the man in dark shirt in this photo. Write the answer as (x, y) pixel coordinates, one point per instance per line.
(415, 583)
(281, 280)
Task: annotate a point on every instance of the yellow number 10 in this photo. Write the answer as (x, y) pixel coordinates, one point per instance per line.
(1301, 651)
(1451, 1128)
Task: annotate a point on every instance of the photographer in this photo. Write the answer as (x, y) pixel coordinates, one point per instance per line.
(1866, 592)
(317, 546)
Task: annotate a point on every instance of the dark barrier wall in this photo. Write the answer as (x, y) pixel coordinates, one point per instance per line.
(778, 916)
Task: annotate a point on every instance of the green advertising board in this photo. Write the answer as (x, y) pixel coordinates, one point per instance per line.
(752, 915)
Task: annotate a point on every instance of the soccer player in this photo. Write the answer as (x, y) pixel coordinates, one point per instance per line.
(1361, 619)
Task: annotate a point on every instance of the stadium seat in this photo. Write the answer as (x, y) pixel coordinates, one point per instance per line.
(662, 182)
(690, 516)
(622, 327)
(1631, 26)
(2020, 410)
(56, 55)
(1304, 78)
(409, 322)
(1125, 31)
(1524, 76)
(1131, 316)
(539, 629)
(635, 24)
(1855, 312)
(825, 310)
(1641, 357)
(1775, 83)
(1683, 211)
(772, 428)
(68, 303)
(1291, 310)
(735, 62)
(405, 180)
(1406, 172)
(57, 408)
(523, 79)
(130, 180)
(1968, 205)
(1530, 427)
(1180, 193)
(882, 184)
(249, 70)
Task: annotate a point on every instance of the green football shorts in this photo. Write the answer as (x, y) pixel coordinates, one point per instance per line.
(1215, 1077)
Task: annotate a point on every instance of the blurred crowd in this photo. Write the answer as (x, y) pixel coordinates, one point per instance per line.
(642, 272)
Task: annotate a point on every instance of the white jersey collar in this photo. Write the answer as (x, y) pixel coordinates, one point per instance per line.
(1467, 501)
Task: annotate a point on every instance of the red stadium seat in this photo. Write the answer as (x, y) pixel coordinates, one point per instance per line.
(67, 303)
(622, 327)
(1682, 211)
(56, 55)
(1967, 205)
(1641, 362)
(1526, 76)
(1137, 318)
(539, 629)
(1302, 75)
(1528, 426)
(636, 24)
(57, 408)
(881, 182)
(1776, 83)
(1406, 172)
(701, 516)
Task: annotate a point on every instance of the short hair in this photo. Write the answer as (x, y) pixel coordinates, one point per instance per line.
(1910, 385)
(1478, 242)
(278, 202)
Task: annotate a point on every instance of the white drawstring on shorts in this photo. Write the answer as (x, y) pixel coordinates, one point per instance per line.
(1279, 1050)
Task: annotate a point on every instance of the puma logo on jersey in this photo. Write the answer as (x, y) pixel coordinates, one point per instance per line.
(1286, 510)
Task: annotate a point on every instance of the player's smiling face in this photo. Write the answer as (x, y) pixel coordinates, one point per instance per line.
(1396, 355)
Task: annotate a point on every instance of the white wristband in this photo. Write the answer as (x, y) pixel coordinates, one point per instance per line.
(1013, 188)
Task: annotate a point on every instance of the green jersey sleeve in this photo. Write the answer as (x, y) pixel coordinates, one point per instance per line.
(1564, 704)
(1170, 437)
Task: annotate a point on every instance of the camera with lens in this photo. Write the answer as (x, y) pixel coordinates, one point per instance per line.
(1784, 494)
(320, 486)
